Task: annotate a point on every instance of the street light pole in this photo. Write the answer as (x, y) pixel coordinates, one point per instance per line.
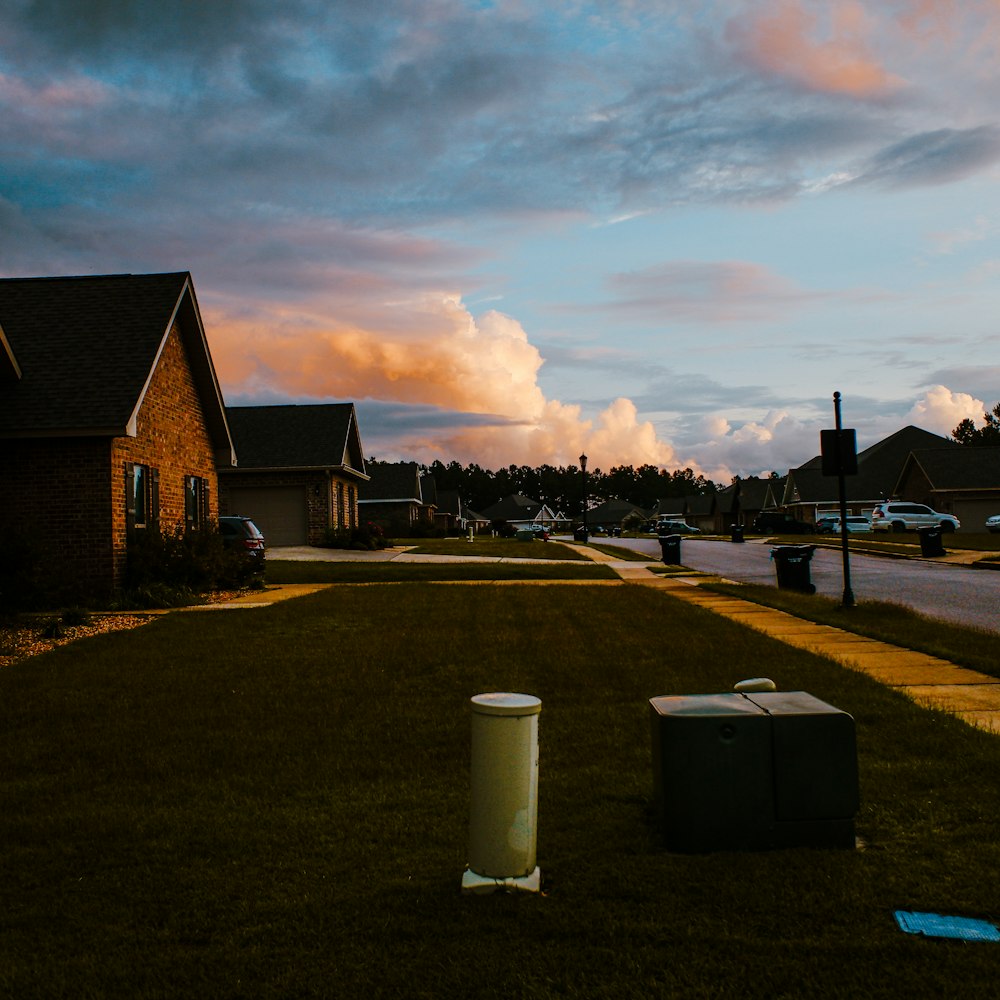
(848, 596)
(583, 470)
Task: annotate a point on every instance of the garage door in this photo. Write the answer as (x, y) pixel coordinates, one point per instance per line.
(279, 512)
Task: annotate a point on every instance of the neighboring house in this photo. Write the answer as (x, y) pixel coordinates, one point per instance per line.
(697, 510)
(611, 513)
(393, 498)
(520, 512)
(741, 501)
(809, 494)
(964, 481)
(299, 470)
(453, 514)
(111, 418)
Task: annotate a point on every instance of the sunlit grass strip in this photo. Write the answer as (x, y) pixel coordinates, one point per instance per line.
(498, 548)
(892, 623)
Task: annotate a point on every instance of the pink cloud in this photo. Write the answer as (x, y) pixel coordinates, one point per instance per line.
(787, 38)
(429, 350)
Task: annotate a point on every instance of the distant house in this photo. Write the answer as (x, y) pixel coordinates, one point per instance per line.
(453, 514)
(519, 512)
(611, 513)
(394, 497)
(809, 494)
(964, 481)
(741, 501)
(299, 470)
(111, 418)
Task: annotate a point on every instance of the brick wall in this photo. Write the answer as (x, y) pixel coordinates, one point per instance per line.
(171, 437)
(54, 497)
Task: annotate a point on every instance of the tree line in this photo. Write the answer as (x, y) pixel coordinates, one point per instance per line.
(986, 436)
(561, 487)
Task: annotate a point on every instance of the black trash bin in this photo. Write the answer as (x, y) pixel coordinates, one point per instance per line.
(791, 563)
(736, 533)
(931, 543)
(670, 549)
(581, 534)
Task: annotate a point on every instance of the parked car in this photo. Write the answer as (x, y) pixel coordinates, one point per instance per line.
(824, 525)
(993, 524)
(777, 522)
(676, 528)
(854, 523)
(541, 532)
(240, 532)
(899, 515)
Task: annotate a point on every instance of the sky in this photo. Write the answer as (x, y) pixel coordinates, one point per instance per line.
(651, 231)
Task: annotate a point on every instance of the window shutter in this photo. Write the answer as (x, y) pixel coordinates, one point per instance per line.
(203, 502)
(154, 498)
(130, 497)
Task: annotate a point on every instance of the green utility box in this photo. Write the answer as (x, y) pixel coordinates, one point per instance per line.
(753, 771)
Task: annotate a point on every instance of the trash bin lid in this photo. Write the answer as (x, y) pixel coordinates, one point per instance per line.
(506, 703)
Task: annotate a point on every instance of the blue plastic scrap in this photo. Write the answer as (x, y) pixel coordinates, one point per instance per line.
(936, 925)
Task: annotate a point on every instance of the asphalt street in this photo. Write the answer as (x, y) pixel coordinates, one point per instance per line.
(954, 593)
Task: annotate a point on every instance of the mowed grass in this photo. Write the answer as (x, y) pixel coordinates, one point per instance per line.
(273, 803)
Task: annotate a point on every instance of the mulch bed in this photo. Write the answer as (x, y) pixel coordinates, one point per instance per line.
(25, 636)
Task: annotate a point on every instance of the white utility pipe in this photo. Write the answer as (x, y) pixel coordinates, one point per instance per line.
(503, 816)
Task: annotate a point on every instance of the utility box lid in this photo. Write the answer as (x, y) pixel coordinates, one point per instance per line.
(705, 704)
(506, 703)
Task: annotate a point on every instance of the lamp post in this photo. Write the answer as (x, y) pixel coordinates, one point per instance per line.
(583, 470)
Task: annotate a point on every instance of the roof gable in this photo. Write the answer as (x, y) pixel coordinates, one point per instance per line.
(87, 348)
(393, 481)
(879, 467)
(959, 468)
(10, 371)
(313, 436)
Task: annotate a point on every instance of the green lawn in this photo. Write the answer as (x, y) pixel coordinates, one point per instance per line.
(273, 803)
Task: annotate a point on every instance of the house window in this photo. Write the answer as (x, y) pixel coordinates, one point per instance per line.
(195, 502)
(142, 496)
(341, 520)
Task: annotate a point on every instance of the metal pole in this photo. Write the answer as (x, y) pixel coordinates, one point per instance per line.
(583, 469)
(848, 598)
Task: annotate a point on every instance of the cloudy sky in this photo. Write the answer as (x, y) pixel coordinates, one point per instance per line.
(652, 230)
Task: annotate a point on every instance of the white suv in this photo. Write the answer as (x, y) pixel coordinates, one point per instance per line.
(902, 516)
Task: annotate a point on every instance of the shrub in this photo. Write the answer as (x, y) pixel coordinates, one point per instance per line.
(170, 568)
(367, 536)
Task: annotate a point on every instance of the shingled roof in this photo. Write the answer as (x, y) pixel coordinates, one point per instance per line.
(311, 436)
(958, 469)
(77, 354)
(878, 469)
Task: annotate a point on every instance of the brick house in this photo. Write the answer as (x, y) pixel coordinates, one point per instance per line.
(299, 472)
(111, 418)
(398, 497)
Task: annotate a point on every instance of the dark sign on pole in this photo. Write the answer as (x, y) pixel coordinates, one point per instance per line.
(840, 452)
